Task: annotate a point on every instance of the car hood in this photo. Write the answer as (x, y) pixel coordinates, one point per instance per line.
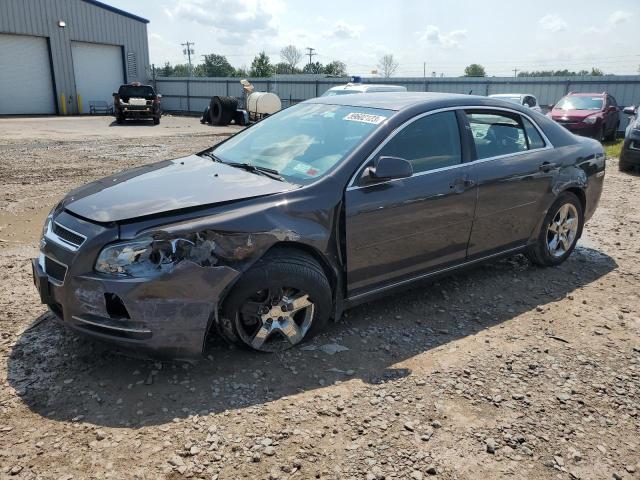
(573, 114)
(166, 186)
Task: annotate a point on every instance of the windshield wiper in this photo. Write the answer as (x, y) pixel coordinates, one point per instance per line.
(268, 172)
(212, 156)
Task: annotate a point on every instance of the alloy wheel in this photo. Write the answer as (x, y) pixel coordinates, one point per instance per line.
(275, 319)
(562, 231)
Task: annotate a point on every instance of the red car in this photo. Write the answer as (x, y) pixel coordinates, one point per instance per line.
(590, 114)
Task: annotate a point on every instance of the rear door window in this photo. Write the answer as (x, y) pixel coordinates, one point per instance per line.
(533, 136)
(500, 133)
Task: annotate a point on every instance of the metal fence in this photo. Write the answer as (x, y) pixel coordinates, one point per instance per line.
(192, 95)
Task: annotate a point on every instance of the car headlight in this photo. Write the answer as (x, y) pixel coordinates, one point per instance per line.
(148, 256)
(45, 229)
(590, 120)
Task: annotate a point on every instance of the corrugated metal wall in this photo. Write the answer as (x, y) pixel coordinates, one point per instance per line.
(182, 94)
(84, 22)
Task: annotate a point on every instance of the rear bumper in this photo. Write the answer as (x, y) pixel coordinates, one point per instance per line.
(579, 128)
(133, 112)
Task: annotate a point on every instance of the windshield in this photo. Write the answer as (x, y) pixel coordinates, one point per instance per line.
(141, 91)
(331, 93)
(302, 142)
(580, 103)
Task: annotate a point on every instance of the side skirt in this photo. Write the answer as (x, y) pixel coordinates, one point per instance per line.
(393, 287)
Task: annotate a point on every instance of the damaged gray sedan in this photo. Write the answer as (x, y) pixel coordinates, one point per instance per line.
(270, 234)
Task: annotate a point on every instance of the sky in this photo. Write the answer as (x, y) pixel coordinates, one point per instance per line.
(502, 35)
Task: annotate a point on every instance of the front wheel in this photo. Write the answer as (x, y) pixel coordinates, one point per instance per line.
(560, 231)
(283, 300)
(624, 166)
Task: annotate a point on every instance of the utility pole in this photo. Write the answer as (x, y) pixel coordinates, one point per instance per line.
(311, 54)
(515, 72)
(188, 51)
(424, 75)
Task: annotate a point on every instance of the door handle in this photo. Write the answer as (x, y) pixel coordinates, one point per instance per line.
(462, 184)
(547, 166)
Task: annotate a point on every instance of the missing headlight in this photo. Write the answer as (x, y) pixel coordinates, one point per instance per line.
(154, 254)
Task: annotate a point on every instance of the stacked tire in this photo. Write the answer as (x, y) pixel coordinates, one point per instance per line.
(222, 110)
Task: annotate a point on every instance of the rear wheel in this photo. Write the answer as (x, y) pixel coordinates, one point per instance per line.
(283, 300)
(560, 231)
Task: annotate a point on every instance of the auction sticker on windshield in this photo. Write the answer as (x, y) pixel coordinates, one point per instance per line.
(365, 118)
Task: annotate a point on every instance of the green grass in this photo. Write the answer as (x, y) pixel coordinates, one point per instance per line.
(613, 148)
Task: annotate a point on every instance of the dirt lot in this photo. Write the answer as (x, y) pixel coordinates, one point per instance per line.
(505, 371)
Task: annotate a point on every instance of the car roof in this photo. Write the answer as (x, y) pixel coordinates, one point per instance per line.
(402, 100)
(365, 86)
(586, 94)
(498, 95)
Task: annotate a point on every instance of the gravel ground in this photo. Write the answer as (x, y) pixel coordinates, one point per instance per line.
(504, 371)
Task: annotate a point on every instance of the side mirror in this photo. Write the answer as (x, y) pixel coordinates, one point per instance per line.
(613, 109)
(630, 110)
(389, 168)
(159, 96)
(114, 94)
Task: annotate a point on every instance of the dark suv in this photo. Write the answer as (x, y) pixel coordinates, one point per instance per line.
(630, 154)
(593, 115)
(136, 101)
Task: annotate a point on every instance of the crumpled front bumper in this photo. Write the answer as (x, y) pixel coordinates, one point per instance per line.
(167, 315)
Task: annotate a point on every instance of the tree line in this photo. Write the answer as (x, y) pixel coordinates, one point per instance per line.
(477, 70)
(215, 65)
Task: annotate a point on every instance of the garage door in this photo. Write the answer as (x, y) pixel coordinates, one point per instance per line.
(98, 72)
(25, 76)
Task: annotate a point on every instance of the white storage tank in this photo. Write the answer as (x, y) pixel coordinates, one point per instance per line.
(263, 103)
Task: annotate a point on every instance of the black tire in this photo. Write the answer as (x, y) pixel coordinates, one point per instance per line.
(614, 133)
(539, 253)
(300, 276)
(600, 134)
(222, 109)
(156, 120)
(120, 119)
